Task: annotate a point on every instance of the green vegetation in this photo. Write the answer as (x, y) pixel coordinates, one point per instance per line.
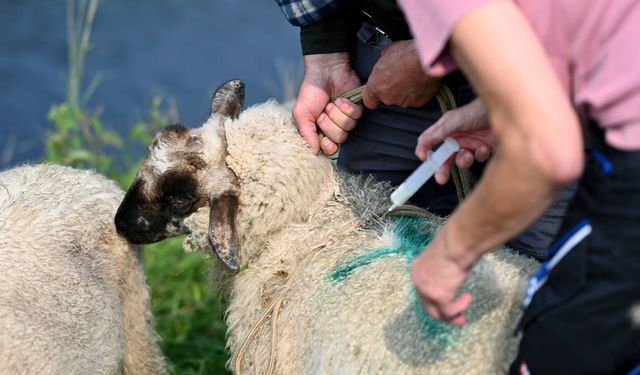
(188, 310)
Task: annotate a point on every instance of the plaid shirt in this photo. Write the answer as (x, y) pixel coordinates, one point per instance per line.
(306, 12)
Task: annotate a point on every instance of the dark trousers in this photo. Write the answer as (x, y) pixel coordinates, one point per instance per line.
(583, 314)
(384, 142)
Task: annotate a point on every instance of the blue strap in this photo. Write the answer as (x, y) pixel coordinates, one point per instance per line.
(635, 371)
(574, 236)
(606, 167)
(558, 244)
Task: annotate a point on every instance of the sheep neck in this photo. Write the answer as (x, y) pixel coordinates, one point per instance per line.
(282, 183)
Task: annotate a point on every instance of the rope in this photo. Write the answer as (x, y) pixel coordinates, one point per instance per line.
(275, 308)
(274, 312)
(461, 176)
(409, 210)
(446, 101)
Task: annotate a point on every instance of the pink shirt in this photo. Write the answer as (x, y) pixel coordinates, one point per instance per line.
(593, 45)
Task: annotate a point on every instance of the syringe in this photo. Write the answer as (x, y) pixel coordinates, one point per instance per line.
(423, 173)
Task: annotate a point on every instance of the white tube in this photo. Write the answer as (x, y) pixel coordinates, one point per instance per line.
(424, 172)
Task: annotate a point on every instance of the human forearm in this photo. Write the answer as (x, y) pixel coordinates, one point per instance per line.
(334, 33)
(511, 194)
(539, 146)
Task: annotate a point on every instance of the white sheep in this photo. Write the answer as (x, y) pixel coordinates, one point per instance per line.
(73, 296)
(317, 262)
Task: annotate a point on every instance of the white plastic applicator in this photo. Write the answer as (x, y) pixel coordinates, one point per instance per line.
(424, 172)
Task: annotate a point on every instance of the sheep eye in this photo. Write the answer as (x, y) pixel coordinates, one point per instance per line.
(180, 201)
(179, 204)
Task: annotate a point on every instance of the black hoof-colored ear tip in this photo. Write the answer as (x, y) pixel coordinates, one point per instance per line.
(228, 99)
(228, 260)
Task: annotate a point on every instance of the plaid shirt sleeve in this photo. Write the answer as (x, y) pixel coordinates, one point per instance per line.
(306, 12)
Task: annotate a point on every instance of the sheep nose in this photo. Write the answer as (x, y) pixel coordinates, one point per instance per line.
(121, 226)
(128, 223)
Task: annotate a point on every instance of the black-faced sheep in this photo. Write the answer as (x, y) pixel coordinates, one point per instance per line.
(73, 296)
(316, 260)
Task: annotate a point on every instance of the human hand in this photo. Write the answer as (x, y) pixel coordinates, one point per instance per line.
(326, 76)
(398, 79)
(437, 278)
(468, 125)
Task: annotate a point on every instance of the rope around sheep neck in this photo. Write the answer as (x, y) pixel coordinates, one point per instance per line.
(275, 308)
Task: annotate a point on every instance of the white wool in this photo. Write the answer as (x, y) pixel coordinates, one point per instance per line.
(296, 225)
(73, 296)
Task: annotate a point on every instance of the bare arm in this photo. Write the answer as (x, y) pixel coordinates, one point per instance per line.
(539, 150)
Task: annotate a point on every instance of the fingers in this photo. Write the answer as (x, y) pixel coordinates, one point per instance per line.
(343, 113)
(433, 135)
(450, 312)
(464, 158)
(442, 175)
(335, 122)
(482, 153)
(369, 98)
(328, 146)
(331, 129)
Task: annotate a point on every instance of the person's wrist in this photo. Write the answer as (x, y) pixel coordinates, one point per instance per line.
(454, 247)
(326, 62)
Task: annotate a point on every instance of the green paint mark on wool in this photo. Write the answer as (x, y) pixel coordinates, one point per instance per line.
(412, 234)
(345, 270)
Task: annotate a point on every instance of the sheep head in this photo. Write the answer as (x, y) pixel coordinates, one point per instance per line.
(185, 170)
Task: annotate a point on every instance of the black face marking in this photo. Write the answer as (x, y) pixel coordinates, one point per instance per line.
(144, 219)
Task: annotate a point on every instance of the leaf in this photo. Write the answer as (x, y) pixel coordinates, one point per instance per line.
(80, 155)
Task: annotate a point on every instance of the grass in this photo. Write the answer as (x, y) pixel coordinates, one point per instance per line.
(187, 309)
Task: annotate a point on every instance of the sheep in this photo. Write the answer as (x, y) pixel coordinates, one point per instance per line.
(73, 295)
(312, 253)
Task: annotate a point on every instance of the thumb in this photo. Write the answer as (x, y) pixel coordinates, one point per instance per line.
(369, 98)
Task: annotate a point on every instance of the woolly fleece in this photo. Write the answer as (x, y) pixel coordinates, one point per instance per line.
(73, 296)
(299, 221)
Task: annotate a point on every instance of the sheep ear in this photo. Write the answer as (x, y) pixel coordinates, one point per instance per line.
(222, 229)
(228, 100)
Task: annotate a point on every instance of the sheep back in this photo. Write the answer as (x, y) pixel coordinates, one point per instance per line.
(374, 284)
(73, 297)
(349, 305)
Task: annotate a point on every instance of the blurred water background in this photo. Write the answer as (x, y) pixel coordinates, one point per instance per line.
(174, 49)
